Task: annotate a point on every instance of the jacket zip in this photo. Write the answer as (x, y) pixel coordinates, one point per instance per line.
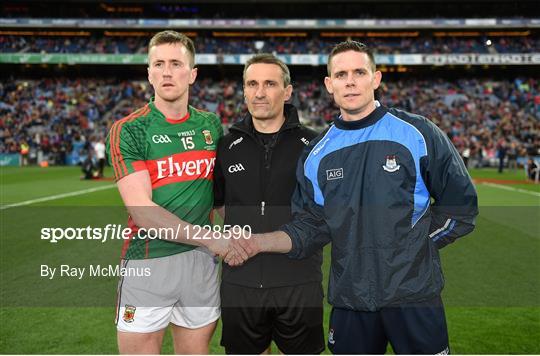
(267, 163)
(266, 166)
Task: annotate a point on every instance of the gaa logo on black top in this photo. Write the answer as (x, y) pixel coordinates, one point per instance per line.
(233, 168)
(161, 139)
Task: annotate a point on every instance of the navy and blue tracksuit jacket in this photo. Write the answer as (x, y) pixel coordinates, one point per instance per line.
(388, 191)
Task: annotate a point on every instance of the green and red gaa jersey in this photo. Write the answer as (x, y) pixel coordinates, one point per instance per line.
(179, 155)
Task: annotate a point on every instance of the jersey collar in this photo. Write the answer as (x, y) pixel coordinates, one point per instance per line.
(369, 120)
(170, 120)
(178, 121)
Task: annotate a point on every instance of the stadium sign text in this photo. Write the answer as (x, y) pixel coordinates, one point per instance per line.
(465, 59)
(296, 59)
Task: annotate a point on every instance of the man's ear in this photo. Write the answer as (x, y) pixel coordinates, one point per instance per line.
(377, 77)
(288, 92)
(328, 85)
(193, 76)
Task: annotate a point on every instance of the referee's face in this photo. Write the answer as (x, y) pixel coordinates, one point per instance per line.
(352, 82)
(265, 91)
(170, 72)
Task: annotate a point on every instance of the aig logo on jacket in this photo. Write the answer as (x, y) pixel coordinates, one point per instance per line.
(336, 173)
(234, 168)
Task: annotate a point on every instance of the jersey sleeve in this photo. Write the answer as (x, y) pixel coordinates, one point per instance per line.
(124, 150)
(455, 202)
(308, 229)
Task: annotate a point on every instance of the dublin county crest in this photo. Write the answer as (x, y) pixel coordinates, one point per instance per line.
(129, 313)
(207, 137)
(391, 164)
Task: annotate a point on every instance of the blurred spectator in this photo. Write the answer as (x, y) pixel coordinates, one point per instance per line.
(501, 153)
(512, 156)
(25, 149)
(99, 152)
(533, 169)
(466, 154)
(88, 168)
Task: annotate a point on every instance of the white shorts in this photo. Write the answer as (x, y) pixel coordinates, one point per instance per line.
(182, 289)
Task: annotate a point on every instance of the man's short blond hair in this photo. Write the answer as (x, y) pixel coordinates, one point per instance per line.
(172, 37)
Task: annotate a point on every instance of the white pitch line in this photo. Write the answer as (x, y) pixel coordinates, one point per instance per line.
(500, 186)
(57, 196)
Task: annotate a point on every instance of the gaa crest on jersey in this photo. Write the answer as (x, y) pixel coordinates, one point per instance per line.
(129, 313)
(207, 137)
(391, 164)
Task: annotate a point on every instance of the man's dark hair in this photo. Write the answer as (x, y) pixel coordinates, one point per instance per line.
(351, 46)
(269, 58)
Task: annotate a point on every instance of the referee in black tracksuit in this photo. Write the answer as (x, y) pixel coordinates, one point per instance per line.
(270, 297)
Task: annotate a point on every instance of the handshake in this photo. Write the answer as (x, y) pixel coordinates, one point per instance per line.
(237, 245)
(237, 250)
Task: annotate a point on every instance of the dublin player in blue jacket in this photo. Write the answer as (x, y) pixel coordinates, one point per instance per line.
(388, 189)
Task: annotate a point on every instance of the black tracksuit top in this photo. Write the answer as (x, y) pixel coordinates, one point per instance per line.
(255, 184)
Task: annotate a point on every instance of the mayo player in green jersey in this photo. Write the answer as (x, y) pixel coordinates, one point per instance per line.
(163, 157)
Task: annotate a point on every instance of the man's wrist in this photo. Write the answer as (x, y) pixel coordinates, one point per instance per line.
(261, 243)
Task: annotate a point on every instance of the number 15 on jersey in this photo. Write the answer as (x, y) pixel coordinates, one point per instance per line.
(187, 142)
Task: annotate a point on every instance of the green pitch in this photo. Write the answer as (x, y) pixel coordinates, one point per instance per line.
(492, 291)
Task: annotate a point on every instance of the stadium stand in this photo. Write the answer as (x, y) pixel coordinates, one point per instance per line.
(278, 45)
(57, 117)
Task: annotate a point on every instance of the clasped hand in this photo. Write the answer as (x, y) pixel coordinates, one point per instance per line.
(235, 250)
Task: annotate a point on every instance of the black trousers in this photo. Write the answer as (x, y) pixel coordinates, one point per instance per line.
(292, 316)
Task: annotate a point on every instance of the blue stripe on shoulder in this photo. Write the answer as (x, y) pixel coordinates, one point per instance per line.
(388, 128)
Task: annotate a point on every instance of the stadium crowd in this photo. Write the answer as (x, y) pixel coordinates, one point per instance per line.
(71, 44)
(59, 117)
(482, 117)
(277, 45)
